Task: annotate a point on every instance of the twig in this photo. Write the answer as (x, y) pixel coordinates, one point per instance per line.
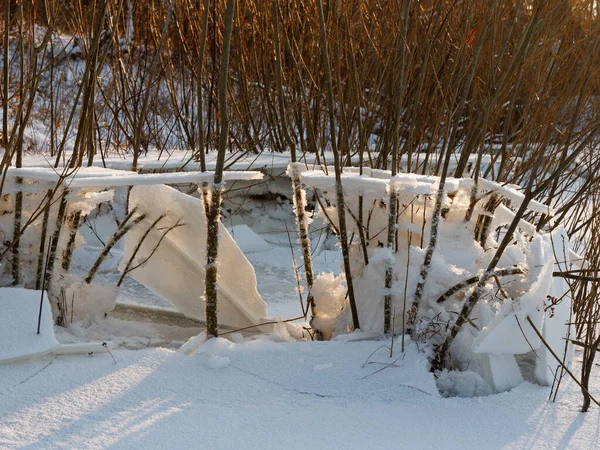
(261, 324)
(137, 248)
(121, 231)
(393, 329)
(105, 345)
(43, 284)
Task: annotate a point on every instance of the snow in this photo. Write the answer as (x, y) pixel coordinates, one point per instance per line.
(509, 332)
(502, 327)
(265, 395)
(18, 325)
(267, 392)
(511, 192)
(504, 216)
(556, 315)
(247, 240)
(352, 182)
(97, 177)
(329, 297)
(271, 161)
(462, 384)
(272, 391)
(376, 182)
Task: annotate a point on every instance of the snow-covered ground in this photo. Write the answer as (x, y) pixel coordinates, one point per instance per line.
(266, 395)
(267, 392)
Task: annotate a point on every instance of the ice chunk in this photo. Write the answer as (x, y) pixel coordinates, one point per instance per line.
(177, 269)
(557, 315)
(504, 373)
(509, 332)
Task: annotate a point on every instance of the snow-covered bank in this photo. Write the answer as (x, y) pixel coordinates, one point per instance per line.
(266, 395)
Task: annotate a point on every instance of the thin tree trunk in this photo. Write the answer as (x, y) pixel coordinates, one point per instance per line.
(18, 149)
(55, 238)
(42, 250)
(299, 194)
(73, 222)
(5, 76)
(484, 221)
(213, 74)
(391, 232)
(138, 131)
(199, 68)
(437, 211)
(214, 214)
(341, 206)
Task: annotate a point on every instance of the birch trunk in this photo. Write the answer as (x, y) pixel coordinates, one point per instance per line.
(391, 233)
(299, 194)
(42, 250)
(73, 222)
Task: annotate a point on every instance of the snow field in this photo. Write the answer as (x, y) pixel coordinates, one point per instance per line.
(261, 394)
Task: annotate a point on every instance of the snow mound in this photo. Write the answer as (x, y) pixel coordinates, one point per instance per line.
(462, 384)
(18, 325)
(329, 297)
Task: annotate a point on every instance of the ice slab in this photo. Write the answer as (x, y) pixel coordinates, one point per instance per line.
(18, 325)
(177, 269)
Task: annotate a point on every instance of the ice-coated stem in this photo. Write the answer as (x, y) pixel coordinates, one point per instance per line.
(121, 231)
(426, 267)
(302, 222)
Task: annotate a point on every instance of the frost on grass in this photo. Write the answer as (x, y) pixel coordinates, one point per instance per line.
(83, 301)
(329, 296)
